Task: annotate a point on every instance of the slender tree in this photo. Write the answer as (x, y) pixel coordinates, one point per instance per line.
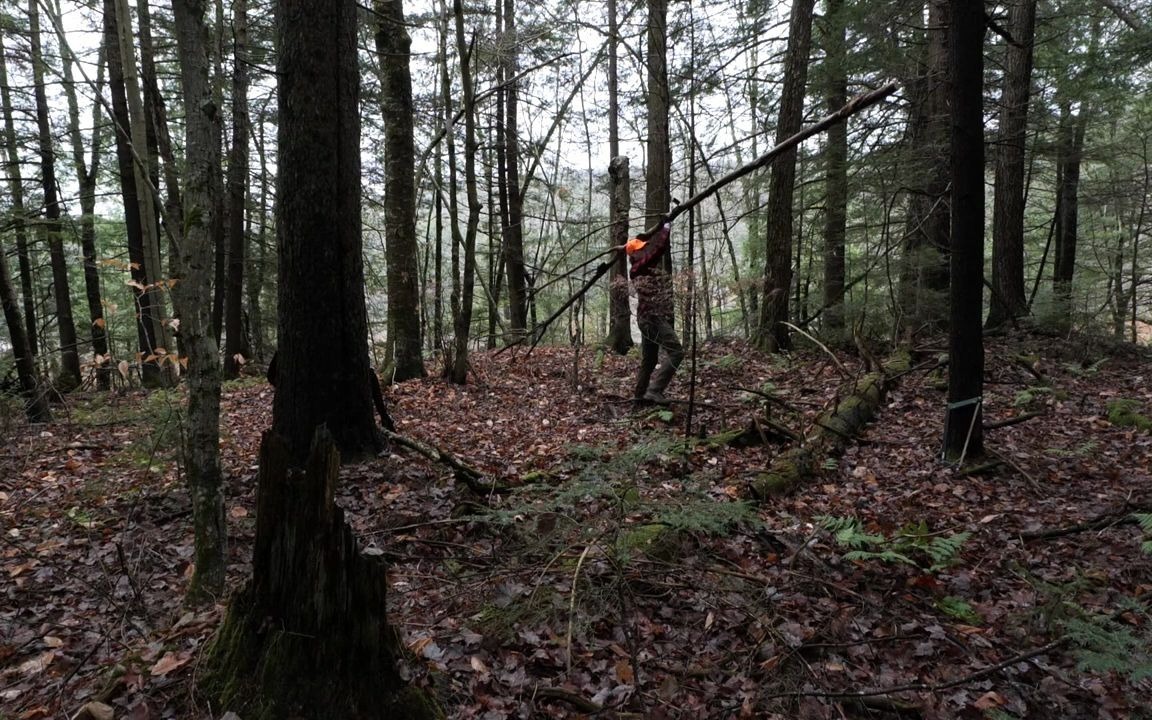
(658, 174)
(771, 333)
(19, 213)
(513, 227)
(1008, 296)
(192, 295)
(86, 177)
(69, 377)
(963, 428)
(405, 338)
(35, 402)
(620, 314)
(236, 350)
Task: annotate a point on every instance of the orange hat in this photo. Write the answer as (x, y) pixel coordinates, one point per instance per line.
(634, 245)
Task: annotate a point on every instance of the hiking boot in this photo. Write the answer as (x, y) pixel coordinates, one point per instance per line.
(655, 396)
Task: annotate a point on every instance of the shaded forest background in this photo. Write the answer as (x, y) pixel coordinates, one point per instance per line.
(195, 188)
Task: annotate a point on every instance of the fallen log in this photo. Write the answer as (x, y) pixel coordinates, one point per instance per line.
(834, 429)
(463, 472)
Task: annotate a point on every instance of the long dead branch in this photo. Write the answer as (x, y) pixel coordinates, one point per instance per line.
(855, 105)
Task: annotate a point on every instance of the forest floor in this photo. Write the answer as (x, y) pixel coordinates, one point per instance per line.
(627, 575)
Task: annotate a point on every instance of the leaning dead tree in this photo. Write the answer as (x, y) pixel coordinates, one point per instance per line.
(855, 105)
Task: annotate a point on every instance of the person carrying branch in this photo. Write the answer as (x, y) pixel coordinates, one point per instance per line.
(654, 312)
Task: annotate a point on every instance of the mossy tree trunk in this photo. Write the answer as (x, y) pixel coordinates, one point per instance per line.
(308, 636)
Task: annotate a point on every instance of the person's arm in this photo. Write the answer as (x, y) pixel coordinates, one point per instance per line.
(651, 250)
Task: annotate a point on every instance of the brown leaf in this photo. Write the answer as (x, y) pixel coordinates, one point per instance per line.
(168, 663)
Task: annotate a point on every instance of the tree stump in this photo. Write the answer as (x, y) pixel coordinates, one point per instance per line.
(308, 636)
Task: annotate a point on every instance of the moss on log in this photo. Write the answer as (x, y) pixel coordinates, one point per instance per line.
(308, 636)
(835, 428)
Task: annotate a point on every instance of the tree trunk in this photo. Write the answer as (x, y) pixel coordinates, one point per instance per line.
(963, 428)
(35, 402)
(620, 314)
(1008, 296)
(514, 228)
(771, 333)
(191, 295)
(19, 214)
(136, 190)
(657, 176)
(836, 174)
(69, 377)
(308, 636)
(620, 334)
(463, 325)
(1070, 149)
(236, 350)
(924, 266)
(259, 267)
(86, 176)
(219, 224)
(405, 338)
(322, 373)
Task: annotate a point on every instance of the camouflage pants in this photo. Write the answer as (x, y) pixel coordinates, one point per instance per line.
(657, 338)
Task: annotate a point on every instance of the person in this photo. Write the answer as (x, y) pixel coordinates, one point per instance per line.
(654, 313)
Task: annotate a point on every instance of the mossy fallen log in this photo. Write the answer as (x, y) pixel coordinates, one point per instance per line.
(834, 429)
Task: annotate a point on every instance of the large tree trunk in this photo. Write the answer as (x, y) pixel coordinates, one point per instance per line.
(16, 192)
(771, 333)
(405, 339)
(1008, 296)
(924, 266)
(620, 314)
(69, 377)
(307, 636)
(35, 402)
(192, 292)
(963, 429)
(86, 176)
(236, 350)
(836, 173)
(322, 373)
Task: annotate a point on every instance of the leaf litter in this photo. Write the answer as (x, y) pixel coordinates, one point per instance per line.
(625, 574)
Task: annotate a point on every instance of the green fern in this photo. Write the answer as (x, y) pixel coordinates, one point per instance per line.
(1103, 645)
(1145, 521)
(901, 547)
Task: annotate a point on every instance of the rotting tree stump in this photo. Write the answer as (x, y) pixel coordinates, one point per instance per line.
(308, 636)
(835, 428)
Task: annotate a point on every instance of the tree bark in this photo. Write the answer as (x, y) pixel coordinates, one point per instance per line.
(1008, 297)
(236, 350)
(191, 295)
(308, 636)
(86, 177)
(771, 333)
(322, 376)
(136, 191)
(835, 174)
(924, 266)
(1070, 150)
(405, 338)
(514, 227)
(19, 213)
(658, 174)
(620, 334)
(69, 377)
(35, 401)
(963, 428)
(620, 314)
(467, 242)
